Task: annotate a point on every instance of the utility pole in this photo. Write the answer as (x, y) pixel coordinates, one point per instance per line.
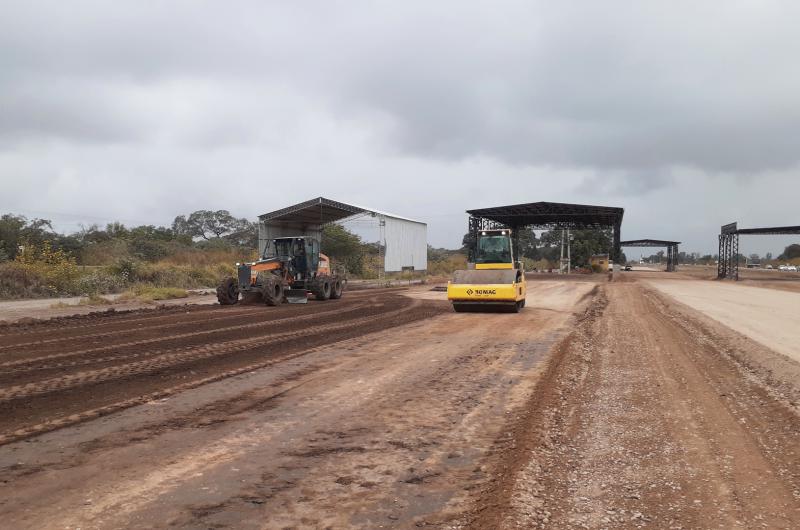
(569, 252)
(566, 238)
(381, 243)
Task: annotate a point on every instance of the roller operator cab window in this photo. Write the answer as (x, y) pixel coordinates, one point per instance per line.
(493, 249)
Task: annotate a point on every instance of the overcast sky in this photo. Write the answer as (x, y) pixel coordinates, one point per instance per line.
(687, 114)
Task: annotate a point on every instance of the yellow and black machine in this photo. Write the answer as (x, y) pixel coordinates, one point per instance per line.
(497, 281)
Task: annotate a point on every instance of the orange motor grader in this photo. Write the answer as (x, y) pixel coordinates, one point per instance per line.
(296, 270)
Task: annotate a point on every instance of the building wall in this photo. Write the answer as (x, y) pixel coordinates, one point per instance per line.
(406, 241)
(406, 245)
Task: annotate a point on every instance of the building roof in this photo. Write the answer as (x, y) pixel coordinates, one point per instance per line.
(733, 228)
(552, 215)
(321, 211)
(648, 243)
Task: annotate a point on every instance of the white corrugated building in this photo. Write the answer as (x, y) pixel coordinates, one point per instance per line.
(405, 240)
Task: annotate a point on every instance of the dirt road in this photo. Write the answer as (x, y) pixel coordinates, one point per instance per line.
(383, 430)
(600, 405)
(646, 420)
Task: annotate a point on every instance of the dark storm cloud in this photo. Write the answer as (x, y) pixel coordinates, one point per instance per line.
(590, 85)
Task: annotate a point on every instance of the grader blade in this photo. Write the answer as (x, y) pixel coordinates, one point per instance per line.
(297, 296)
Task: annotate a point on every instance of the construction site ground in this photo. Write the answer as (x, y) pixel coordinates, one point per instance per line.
(657, 400)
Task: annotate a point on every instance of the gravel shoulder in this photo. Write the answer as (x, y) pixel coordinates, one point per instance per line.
(648, 418)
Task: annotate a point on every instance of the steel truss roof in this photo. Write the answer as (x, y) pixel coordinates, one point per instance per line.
(774, 231)
(321, 211)
(648, 243)
(550, 215)
(316, 211)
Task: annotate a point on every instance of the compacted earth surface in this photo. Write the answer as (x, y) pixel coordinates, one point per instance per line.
(602, 404)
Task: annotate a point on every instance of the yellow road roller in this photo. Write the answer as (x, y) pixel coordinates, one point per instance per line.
(496, 283)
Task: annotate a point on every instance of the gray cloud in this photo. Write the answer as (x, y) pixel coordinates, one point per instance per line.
(475, 103)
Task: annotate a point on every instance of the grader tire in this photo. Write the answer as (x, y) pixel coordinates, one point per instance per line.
(273, 293)
(228, 292)
(336, 289)
(323, 291)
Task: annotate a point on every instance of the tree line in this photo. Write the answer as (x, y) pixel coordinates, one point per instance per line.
(547, 245)
(201, 228)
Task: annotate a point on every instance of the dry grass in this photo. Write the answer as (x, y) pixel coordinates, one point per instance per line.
(208, 258)
(149, 294)
(95, 299)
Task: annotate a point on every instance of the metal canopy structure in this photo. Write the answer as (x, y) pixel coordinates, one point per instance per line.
(404, 240)
(316, 212)
(728, 264)
(548, 216)
(671, 246)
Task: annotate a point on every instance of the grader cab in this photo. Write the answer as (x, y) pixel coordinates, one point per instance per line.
(294, 270)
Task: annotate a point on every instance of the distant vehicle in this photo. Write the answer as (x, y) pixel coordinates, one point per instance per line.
(628, 268)
(770, 267)
(782, 268)
(791, 268)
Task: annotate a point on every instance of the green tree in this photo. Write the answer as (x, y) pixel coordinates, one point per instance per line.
(16, 230)
(583, 245)
(220, 224)
(791, 252)
(344, 247)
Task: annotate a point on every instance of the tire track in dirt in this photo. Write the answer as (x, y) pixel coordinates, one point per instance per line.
(40, 363)
(163, 359)
(127, 329)
(74, 396)
(184, 314)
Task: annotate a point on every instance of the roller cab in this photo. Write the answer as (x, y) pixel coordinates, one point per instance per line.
(497, 283)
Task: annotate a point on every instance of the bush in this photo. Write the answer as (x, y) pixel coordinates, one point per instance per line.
(18, 281)
(54, 268)
(127, 269)
(446, 266)
(105, 252)
(100, 281)
(149, 250)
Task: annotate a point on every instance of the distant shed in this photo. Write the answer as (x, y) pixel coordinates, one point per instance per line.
(405, 240)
